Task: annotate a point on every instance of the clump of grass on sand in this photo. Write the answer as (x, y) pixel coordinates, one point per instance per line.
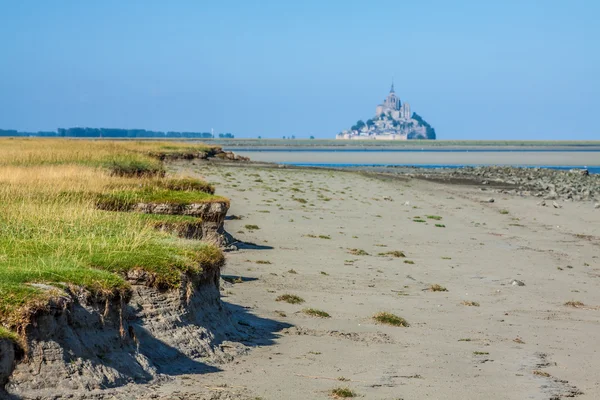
(390, 319)
(342, 393)
(52, 232)
(575, 304)
(290, 298)
(251, 227)
(437, 288)
(434, 217)
(395, 253)
(316, 313)
(470, 303)
(358, 252)
(543, 374)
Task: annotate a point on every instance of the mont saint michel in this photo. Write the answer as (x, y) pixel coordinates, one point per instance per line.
(392, 121)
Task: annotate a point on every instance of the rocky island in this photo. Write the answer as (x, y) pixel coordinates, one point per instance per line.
(392, 121)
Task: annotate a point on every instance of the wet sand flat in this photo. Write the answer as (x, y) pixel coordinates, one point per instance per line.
(331, 239)
(525, 158)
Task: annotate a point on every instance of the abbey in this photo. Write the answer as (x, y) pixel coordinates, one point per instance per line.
(392, 105)
(393, 120)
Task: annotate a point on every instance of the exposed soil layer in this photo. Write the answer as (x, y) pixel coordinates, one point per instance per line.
(212, 215)
(80, 345)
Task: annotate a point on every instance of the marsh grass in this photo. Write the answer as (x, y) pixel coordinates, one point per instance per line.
(342, 393)
(395, 253)
(434, 217)
(313, 312)
(52, 232)
(470, 303)
(575, 304)
(358, 252)
(437, 288)
(290, 298)
(390, 319)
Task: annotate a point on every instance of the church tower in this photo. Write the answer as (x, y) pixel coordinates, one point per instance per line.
(392, 102)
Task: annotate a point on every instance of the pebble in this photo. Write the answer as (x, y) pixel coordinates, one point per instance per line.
(517, 283)
(597, 205)
(490, 200)
(556, 205)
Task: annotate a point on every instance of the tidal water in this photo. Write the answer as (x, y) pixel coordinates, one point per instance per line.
(434, 158)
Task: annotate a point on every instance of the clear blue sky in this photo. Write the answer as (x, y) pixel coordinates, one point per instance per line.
(473, 69)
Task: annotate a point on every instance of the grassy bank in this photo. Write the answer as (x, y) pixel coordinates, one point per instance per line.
(52, 230)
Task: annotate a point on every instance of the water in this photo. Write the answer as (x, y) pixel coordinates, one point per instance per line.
(430, 158)
(592, 170)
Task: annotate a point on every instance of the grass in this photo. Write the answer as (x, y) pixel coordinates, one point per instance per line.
(575, 304)
(251, 227)
(316, 313)
(264, 262)
(390, 319)
(358, 252)
(503, 212)
(543, 374)
(437, 288)
(125, 200)
(408, 262)
(290, 298)
(52, 232)
(395, 253)
(480, 353)
(435, 217)
(440, 225)
(418, 220)
(470, 303)
(342, 393)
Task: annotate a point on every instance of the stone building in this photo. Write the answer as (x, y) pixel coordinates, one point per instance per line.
(394, 107)
(393, 120)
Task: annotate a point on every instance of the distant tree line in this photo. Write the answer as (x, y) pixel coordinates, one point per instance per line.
(114, 133)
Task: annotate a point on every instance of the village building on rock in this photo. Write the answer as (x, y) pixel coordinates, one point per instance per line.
(393, 121)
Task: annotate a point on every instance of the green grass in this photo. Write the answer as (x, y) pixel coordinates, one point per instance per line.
(358, 252)
(440, 225)
(480, 353)
(290, 298)
(504, 212)
(251, 227)
(125, 200)
(316, 313)
(52, 233)
(395, 253)
(88, 248)
(390, 319)
(435, 217)
(418, 220)
(409, 262)
(342, 393)
(437, 288)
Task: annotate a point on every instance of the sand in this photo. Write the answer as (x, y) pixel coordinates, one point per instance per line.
(521, 342)
(546, 158)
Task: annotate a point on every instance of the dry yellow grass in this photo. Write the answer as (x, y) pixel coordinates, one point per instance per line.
(52, 232)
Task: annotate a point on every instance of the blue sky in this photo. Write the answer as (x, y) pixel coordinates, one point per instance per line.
(473, 69)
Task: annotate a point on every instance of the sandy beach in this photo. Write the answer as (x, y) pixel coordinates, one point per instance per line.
(330, 238)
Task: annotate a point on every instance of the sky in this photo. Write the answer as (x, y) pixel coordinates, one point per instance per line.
(512, 69)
